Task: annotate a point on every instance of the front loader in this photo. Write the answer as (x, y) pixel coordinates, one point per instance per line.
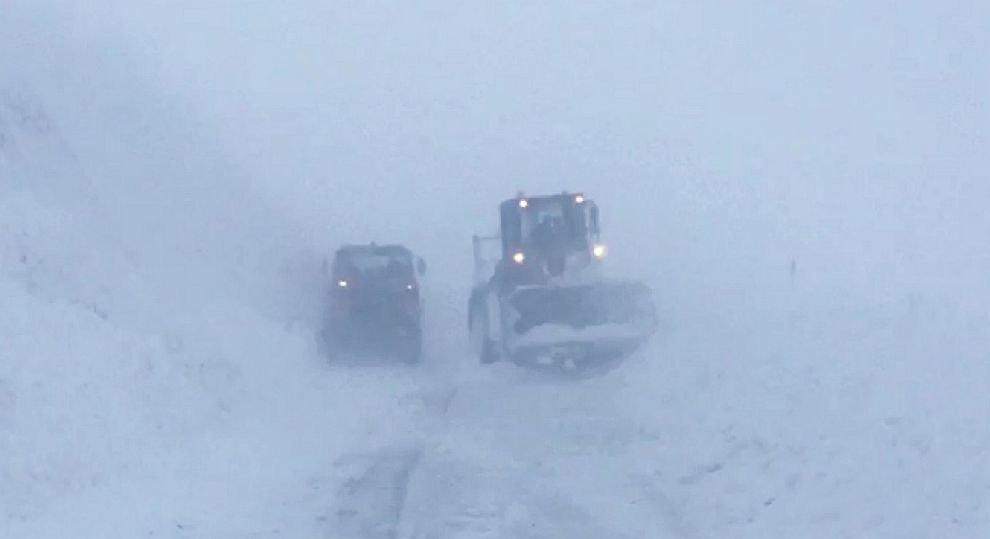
(541, 296)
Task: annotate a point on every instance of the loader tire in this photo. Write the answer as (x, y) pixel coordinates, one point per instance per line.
(485, 345)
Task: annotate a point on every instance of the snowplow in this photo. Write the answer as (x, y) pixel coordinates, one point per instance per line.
(540, 294)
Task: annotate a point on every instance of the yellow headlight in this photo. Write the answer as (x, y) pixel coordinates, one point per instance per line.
(598, 251)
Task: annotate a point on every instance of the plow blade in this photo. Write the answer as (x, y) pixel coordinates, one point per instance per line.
(604, 318)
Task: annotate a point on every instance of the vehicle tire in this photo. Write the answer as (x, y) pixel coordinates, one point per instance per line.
(413, 352)
(327, 345)
(480, 339)
(487, 354)
(412, 357)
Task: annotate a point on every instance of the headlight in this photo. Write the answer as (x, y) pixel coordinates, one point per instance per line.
(579, 199)
(523, 203)
(598, 250)
(342, 283)
(519, 258)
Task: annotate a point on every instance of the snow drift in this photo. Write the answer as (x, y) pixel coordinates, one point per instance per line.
(150, 304)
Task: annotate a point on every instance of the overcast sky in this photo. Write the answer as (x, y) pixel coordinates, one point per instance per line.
(722, 141)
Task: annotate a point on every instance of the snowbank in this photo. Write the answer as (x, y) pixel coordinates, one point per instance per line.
(156, 345)
(813, 418)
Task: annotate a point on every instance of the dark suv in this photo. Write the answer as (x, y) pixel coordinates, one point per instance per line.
(374, 304)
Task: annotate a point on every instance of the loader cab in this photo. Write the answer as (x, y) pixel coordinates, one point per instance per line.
(548, 225)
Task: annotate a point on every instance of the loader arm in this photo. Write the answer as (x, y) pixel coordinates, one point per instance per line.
(487, 253)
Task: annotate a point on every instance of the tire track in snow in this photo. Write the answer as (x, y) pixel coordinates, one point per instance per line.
(370, 503)
(527, 456)
(370, 506)
(513, 454)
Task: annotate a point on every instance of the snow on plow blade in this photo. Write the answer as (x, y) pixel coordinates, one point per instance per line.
(607, 316)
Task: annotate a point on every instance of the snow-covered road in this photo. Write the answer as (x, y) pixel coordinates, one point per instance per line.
(531, 459)
(784, 423)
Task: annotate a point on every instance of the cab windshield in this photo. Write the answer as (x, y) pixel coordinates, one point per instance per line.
(554, 222)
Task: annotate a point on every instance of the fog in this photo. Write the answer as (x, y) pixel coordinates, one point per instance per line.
(802, 186)
(841, 135)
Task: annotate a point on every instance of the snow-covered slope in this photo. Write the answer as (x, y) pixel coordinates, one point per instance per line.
(158, 373)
